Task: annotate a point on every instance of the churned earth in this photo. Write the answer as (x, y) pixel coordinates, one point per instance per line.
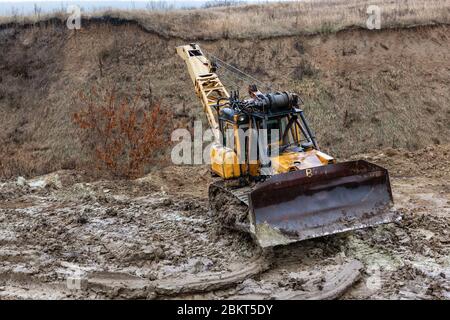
(64, 236)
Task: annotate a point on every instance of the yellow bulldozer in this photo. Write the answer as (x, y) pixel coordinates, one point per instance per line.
(273, 181)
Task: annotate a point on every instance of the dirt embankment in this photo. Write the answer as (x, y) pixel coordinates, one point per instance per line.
(363, 90)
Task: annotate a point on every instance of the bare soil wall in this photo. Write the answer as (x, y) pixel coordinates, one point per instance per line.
(363, 90)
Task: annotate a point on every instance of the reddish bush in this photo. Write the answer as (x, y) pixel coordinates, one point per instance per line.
(126, 134)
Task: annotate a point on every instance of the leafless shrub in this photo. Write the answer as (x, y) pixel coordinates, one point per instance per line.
(124, 136)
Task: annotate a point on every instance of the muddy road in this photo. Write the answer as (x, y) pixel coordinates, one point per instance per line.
(63, 236)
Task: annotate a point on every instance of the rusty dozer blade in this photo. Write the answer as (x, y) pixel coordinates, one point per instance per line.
(320, 201)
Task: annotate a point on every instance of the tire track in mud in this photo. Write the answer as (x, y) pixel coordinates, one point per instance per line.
(125, 234)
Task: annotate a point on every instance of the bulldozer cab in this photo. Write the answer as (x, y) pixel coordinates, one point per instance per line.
(288, 133)
(274, 131)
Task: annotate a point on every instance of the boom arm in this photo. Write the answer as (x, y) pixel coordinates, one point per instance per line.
(208, 86)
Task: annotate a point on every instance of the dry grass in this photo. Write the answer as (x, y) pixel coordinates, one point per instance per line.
(363, 90)
(270, 20)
